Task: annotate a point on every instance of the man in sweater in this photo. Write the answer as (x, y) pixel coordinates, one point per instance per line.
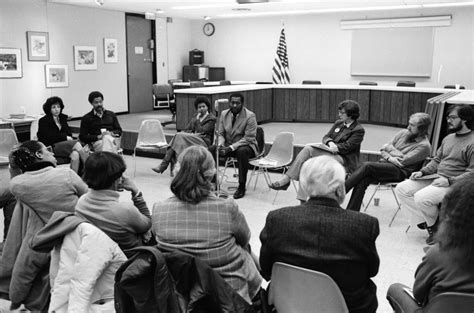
(400, 157)
(420, 195)
(100, 127)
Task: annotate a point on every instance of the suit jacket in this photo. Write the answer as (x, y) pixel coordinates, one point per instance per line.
(348, 142)
(48, 131)
(320, 235)
(244, 132)
(91, 125)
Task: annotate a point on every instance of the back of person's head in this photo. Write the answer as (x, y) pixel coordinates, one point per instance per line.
(351, 107)
(465, 112)
(202, 99)
(324, 177)
(423, 122)
(237, 95)
(456, 230)
(95, 94)
(49, 103)
(25, 154)
(193, 181)
(102, 169)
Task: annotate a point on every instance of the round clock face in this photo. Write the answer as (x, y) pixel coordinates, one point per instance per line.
(208, 29)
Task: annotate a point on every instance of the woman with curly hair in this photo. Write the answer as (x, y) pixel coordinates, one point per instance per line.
(197, 222)
(448, 265)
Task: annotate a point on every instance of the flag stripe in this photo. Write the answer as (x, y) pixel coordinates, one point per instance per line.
(280, 73)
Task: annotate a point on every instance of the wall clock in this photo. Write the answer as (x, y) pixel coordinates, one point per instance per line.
(208, 29)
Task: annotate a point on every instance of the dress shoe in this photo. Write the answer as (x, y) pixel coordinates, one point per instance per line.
(239, 193)
(161, 168)
(276, 186)
(421, 225)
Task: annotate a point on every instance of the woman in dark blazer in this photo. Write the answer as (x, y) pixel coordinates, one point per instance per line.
(54, 131)
(200, 131)
(342, 142)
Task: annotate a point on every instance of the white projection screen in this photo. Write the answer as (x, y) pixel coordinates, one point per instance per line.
(392, 52)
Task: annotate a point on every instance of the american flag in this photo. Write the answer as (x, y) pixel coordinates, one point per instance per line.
(280, 68)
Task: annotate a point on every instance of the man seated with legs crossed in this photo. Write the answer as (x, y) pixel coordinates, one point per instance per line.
(400, 157)
(238, 137)
(454, 160)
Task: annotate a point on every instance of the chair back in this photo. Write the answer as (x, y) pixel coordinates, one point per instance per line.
(296, 289)
(8, 140)
(365, 83)
(224, 82)
(162, 92)
(451, 302)
(406, 83)
(282, 149)
(196, 84)
(34, 130)
(311, 82)
(454, 87)
(151, 134)
(260, 141)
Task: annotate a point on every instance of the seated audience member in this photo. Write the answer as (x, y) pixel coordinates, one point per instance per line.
(54, 131)
(197, 222)
(454, 160)
(200, 131)
(126, 223)
(341, 142)
(83, 264)
(237, 137)
(40, 190)
(321, 236)
(448, 265)
(400, 157)
(100, 128)
(7, 203)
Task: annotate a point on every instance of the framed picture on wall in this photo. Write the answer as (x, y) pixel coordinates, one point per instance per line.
(110, 50)
(38, 46)
(10, 63)
(85, 58)
(56, 76)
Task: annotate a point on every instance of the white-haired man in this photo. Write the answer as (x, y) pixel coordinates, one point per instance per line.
(321, 236)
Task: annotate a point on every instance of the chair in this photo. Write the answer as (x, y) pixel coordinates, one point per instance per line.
(365, 83)
(8, 140)
(451, 302)
(231, 161)
(406, 83)
(311, 82)
(163, 94)
(34, 130)
(279, 156)
(224, 82)
(454, 87)
(150, 137)
(296, 289)
(391, 186)
(196, 84)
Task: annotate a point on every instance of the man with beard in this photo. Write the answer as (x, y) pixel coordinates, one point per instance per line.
(238, 137)
(420, 195)
(400, 157)
(100, 128)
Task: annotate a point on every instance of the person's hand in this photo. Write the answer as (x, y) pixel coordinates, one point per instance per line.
(416, 175)
(440, 182)
(333, 147)
(224, 150)
(129, 184)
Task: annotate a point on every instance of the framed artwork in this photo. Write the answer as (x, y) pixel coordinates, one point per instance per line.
(110, 50)
(38, 46)
(10, 63)
(56, 76)
(85, 58)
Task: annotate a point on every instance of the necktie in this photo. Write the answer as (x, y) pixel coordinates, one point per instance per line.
(234, 117)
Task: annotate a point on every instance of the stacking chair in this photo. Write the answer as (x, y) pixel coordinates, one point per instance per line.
(454, 87)
(311, 82)
(366, 83)
(150, 137)
(164, 98)
(196, 84)
(406, 83)
(8, 140)
(391, 186)
(451, 302)
(224, 82)
(296, 289)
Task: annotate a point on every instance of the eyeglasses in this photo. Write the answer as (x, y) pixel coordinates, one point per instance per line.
(342, 112)
(451, 117)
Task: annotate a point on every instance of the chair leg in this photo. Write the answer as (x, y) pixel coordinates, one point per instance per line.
(399, 205)
(372, 196)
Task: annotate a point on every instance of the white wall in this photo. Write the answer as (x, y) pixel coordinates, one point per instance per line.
(319, 49)
(67, 26)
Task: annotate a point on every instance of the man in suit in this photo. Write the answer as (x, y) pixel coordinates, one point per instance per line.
(100, 127)
(321, 236)
(341, 142)
(404, 154)
(237, 137)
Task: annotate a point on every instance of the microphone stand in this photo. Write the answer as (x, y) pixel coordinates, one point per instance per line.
(219, 193)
